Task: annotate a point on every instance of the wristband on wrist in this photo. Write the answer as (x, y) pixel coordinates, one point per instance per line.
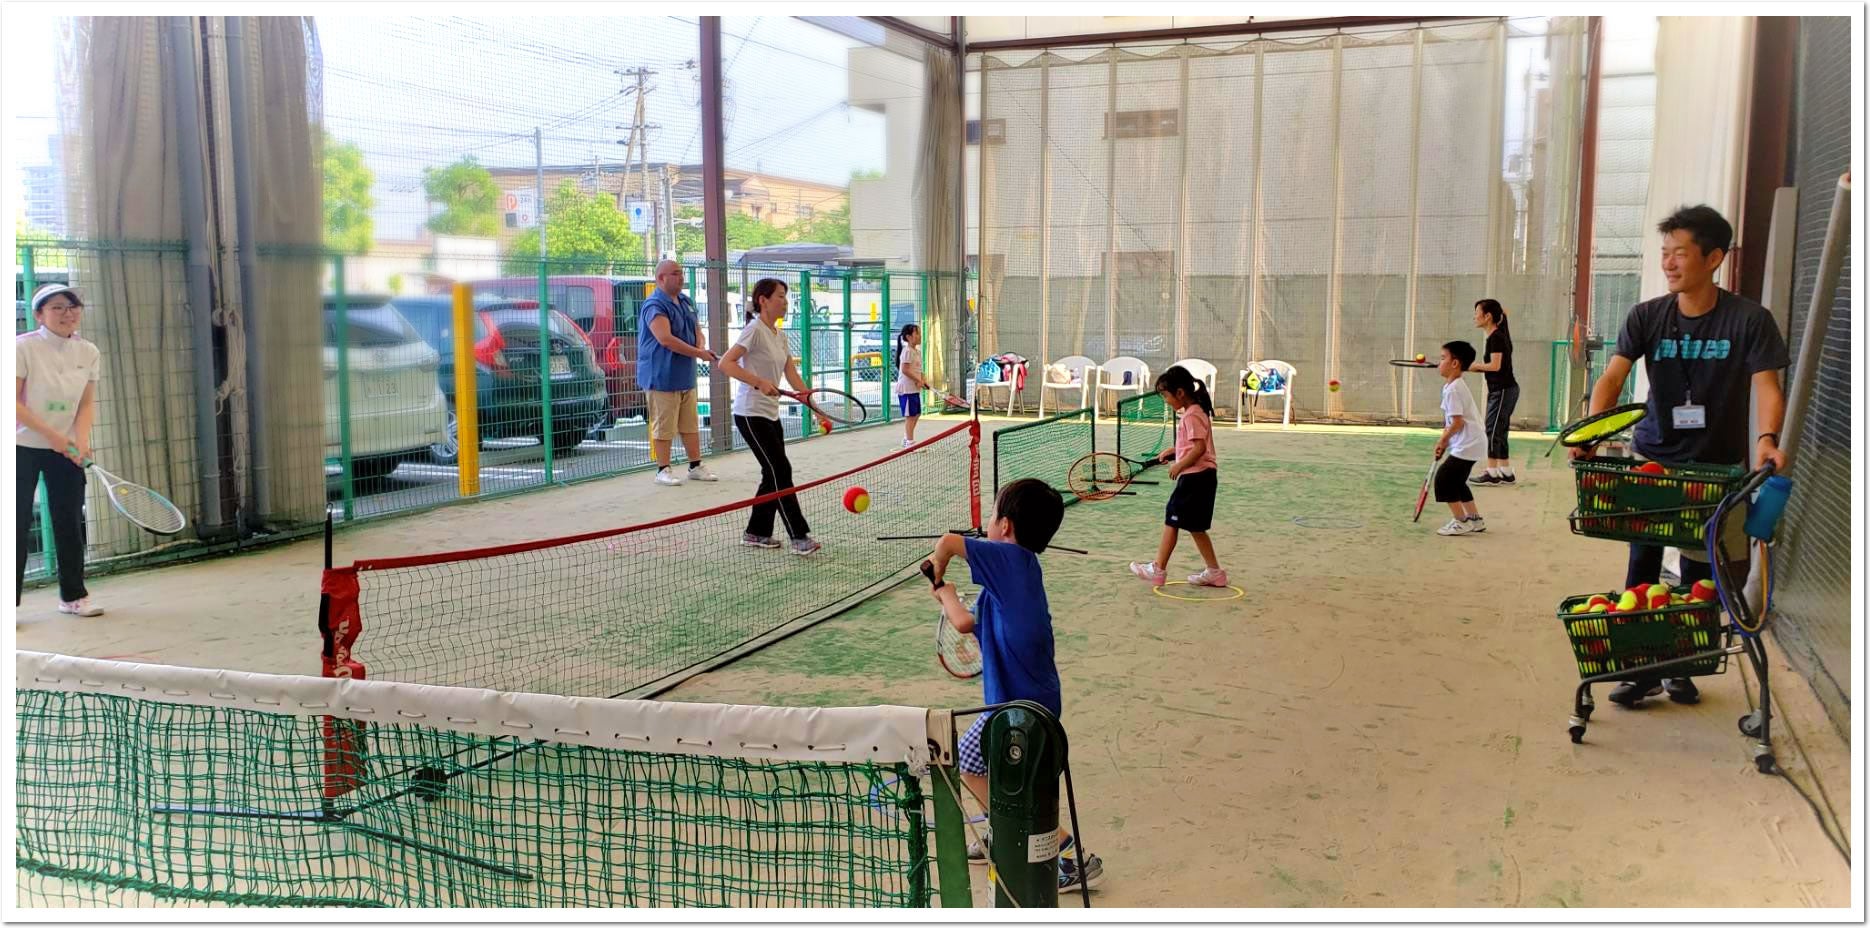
(1772, 435)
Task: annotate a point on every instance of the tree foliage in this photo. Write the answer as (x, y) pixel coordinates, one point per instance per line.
(469, 198)
(584, 234)
(348, 226)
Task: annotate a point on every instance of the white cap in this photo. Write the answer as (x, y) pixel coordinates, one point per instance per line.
(49, 291)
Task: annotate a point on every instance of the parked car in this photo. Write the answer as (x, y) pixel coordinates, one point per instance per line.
(506, 372)
(396, 411)
(604, 308)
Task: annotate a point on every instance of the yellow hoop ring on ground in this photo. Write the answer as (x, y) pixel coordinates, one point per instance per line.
(1238, 592)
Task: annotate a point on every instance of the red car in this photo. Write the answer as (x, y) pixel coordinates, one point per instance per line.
(605, 307)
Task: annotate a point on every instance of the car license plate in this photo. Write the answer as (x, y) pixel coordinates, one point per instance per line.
(380, 388)
(561, 364)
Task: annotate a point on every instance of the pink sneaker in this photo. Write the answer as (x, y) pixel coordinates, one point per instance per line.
(1209, 576)
(82, 607)
(1148, 573)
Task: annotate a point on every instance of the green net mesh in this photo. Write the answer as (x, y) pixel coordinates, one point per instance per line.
(1145, 426)
(127, 801)
(1044, 449)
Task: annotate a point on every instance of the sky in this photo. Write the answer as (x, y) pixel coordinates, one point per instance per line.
(416, 92)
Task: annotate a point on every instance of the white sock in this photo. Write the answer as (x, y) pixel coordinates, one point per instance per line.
(1493, 472)
(1506, 471)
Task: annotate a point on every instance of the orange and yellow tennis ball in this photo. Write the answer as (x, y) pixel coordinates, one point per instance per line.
(1334, 385)
(1421, 357)
(856, 499)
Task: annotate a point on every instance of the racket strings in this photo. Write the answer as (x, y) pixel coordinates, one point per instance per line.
(1098, 476)
(1600, 427)
(147, 508)
(837, 406)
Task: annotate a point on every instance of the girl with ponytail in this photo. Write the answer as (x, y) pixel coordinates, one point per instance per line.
(909, 380)
(1496, 364)
(1191, 504)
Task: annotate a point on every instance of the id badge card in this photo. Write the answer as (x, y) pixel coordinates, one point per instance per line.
(1690, 416)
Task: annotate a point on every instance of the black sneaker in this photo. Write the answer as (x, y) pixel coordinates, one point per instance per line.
(1483, 479)
(1682, 690)
(1631, 693)
(1507, 480)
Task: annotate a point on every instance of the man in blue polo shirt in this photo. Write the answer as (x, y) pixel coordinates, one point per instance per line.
(668, 342)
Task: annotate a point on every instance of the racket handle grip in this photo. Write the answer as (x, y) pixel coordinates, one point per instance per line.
(928, 570)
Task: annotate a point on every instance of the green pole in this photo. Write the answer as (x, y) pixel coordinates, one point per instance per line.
(32, 283)
(1553, 405)
(545, 372)
(805, 345)
(848, 361)
(889, 355)
(343, 337)
(1025, 754)
(950, 841)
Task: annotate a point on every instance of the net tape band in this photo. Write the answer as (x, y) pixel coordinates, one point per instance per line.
(875, 734)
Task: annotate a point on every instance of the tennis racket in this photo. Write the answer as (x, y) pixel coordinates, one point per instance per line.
(1411, 362)
(836, 405)
(1099, 475)
(140, 504)
(1421, 499)
(1593, 429)
(958, 652)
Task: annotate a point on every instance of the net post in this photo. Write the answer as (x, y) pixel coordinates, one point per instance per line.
(973, 473)
(950, 831)
(1025, 756)
(846, 361)
(467, 394)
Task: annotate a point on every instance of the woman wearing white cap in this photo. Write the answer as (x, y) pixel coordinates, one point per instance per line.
(56, 400)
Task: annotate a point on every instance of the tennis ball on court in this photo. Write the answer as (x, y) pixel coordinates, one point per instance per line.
(1334, 385)
(857, 499)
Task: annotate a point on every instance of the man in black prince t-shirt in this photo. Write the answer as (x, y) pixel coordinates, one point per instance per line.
(1706, 350)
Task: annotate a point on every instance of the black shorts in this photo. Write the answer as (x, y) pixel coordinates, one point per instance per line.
(1191, 503)
(1451, 480)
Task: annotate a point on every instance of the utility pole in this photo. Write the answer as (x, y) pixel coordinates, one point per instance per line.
(668, 212)
(639, 144)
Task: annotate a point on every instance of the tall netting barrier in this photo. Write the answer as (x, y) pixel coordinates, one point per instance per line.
(630, 611)
(1331, 201)
(143, 785)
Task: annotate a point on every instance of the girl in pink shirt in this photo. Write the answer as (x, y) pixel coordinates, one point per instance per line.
(1191, 504)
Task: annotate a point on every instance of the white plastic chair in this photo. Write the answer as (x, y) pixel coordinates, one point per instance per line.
(1203, 371)
(1250, 399)
(1110, 377)
(1082, 370)
(1012, 391)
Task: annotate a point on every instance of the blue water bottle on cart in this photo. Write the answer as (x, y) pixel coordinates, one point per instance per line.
(1768, 505)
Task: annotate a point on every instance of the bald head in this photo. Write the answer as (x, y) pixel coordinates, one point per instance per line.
(669, 277)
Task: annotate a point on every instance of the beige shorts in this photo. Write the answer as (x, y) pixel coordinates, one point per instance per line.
(671, 414)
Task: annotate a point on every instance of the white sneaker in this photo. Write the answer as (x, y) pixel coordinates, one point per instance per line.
(1148, 572)
(82, 607)
(1209, 576)
(1454, 527)
(667, 477)
(909, 442)
(1476, 525)
(701, 472)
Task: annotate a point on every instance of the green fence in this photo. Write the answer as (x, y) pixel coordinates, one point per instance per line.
(354, 371)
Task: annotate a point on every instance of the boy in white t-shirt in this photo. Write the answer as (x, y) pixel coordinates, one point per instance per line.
(1462, 441)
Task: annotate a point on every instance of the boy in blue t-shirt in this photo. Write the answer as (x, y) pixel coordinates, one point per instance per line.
(1014, 626)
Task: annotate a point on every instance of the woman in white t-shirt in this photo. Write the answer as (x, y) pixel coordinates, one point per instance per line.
(759, 358)
(56, 401)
